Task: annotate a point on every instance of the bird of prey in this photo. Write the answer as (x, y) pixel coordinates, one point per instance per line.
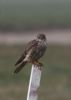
(34, 50)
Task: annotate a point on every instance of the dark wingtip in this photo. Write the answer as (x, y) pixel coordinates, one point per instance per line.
(15, 72)
(19, 67)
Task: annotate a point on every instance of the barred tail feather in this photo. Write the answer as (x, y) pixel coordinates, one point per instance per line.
(20, 67)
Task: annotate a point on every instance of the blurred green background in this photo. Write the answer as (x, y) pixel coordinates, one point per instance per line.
(34, 14)
(56, 75)
(37, 15)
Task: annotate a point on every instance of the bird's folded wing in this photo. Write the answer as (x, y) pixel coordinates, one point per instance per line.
(20, 59)
(28, 47)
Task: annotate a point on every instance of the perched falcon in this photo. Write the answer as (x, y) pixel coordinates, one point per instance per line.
(32, 52)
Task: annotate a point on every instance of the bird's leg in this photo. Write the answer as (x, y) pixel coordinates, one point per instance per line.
(38, 64)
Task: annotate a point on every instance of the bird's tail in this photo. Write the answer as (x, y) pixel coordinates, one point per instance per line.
(20, 67)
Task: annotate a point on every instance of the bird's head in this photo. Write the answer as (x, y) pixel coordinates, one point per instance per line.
(41, 37)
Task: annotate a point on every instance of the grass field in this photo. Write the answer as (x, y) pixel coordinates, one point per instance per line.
(30, 13)
(56, 76)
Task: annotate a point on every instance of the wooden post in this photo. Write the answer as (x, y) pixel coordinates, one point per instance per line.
(34, 83)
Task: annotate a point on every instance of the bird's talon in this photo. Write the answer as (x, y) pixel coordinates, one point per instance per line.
(39, 65)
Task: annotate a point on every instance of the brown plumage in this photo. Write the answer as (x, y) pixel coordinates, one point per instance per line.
(32, 52)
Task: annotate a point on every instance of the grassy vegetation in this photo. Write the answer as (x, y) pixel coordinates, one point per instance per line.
(56, 75)
(15, 14)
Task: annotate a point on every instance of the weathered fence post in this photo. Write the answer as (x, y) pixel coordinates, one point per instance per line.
(34, 83)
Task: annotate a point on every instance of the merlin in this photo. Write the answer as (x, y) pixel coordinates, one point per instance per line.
(33, 51)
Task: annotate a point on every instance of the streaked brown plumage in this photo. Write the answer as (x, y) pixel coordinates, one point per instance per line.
(32, 52)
